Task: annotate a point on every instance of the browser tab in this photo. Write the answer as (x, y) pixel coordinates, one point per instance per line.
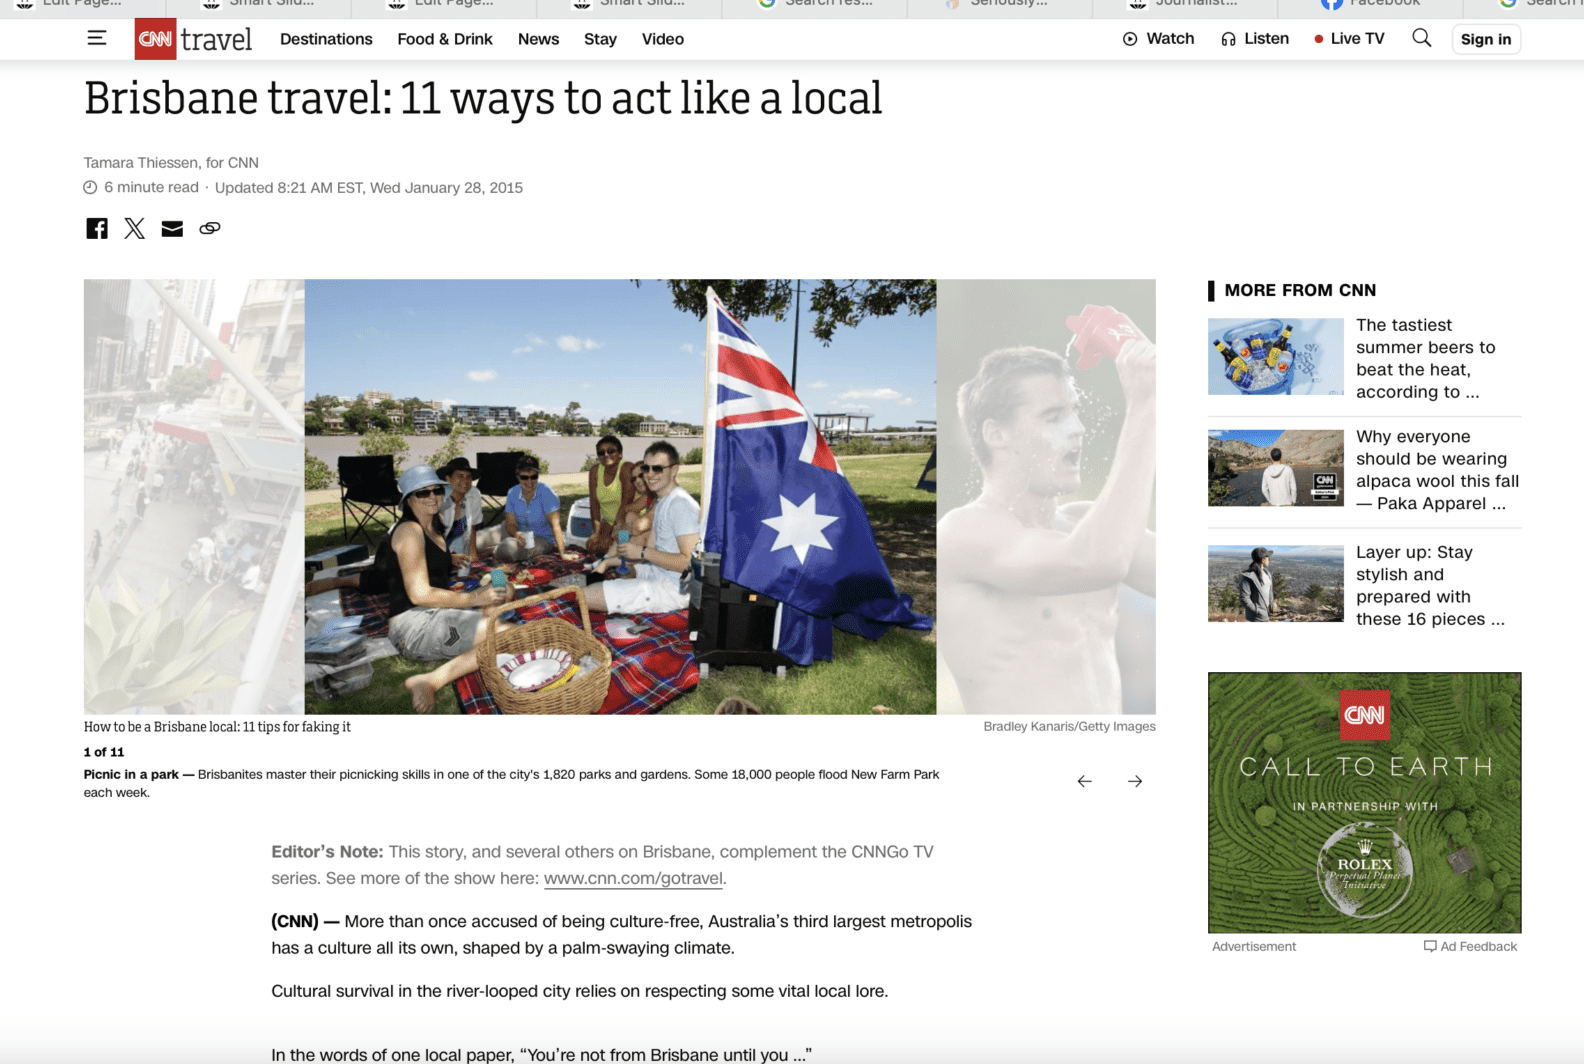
(1192, 9)
(803, 9)
(261, 11)
(1354, 10)
(391, 10)
(25, 11)
(1000, 9)
(633, 9)
(1523, 9)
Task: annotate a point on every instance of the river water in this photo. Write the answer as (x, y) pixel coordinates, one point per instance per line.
(565, 454)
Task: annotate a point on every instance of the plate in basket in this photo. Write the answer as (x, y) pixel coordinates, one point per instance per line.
(535, 669)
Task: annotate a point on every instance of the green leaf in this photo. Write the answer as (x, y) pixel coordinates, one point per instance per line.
(169, 643)
(198, 616)
(219, 683)
(98, 618)
(176, 668)
(123, 618)
(127, 596)
(170, 694)
(93, 649)
(112, 675)
(142, 639)
(108, 702)
(224, 632)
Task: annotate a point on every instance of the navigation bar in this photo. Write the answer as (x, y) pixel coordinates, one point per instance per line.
(784, 11)
(504, 40)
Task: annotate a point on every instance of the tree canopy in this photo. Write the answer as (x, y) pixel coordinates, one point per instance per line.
(186, 383)
(834, 303)
(625, 424)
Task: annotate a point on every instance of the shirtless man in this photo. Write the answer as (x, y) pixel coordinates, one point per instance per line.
(1029, 584)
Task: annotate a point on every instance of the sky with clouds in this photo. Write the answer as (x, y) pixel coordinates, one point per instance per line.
(1255, 437)
(611, 345)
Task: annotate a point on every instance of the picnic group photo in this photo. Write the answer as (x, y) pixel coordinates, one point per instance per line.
(620, 497)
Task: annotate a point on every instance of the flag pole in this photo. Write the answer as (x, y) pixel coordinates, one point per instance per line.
(711, 363)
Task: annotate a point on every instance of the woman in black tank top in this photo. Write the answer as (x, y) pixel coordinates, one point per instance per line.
(430, 622)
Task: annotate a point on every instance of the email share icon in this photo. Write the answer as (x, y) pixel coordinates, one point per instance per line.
(170, 229)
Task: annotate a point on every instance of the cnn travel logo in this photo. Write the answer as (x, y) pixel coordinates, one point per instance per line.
(1366, 715)
(155, 38)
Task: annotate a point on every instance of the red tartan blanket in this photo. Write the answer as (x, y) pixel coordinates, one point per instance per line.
(645, 673)
(375, 609)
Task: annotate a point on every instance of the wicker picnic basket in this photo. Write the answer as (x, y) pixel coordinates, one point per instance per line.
(584, 693)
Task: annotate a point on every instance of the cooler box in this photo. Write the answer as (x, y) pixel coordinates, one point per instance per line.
(336, 684)
(352, 552)
(580, 525)
(729, 624)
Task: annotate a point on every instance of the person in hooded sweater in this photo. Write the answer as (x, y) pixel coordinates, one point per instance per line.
(1255, 586)
(1279, 485)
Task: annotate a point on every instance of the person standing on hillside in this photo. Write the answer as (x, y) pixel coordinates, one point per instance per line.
(1279, 485)
(1255, 586)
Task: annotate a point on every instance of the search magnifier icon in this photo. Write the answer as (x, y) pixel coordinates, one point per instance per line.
(1422, 36)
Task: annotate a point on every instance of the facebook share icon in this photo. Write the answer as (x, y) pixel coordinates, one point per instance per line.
(1331, 5)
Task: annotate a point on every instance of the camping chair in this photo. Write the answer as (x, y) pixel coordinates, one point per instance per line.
(368, 489)
(927, 478)
(497, 475)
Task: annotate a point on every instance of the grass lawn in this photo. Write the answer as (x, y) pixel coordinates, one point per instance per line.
(898, 672)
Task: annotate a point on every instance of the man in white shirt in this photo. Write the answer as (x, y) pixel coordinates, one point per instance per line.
(665, 564)
(1279, 485)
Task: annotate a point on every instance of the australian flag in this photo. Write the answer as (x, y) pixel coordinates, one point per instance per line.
(779, 512)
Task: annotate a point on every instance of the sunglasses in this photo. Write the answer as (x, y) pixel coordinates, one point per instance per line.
(528, 476)
(606, 452)
(653, 468)
(426, 493)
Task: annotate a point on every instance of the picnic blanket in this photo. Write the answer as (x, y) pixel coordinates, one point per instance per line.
(645, 673)
(375, 609)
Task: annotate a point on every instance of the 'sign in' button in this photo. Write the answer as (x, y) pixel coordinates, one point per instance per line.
(1478, 39)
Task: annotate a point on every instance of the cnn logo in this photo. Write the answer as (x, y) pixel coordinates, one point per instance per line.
(1366, 715)
(155, 38)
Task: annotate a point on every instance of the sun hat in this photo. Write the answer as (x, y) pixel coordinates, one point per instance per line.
(416, 477)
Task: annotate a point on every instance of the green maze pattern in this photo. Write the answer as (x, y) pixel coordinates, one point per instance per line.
(1262, 879)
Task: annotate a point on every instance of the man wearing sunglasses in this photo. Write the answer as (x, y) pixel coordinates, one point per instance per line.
(663, 559)
(533, 517)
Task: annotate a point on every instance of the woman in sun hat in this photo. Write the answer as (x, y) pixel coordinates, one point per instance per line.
(428, 621)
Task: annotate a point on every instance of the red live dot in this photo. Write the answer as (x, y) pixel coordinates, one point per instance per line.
(1319, 39)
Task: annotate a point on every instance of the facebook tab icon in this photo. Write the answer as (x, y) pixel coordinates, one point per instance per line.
(1331, 5)
(98, 229)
